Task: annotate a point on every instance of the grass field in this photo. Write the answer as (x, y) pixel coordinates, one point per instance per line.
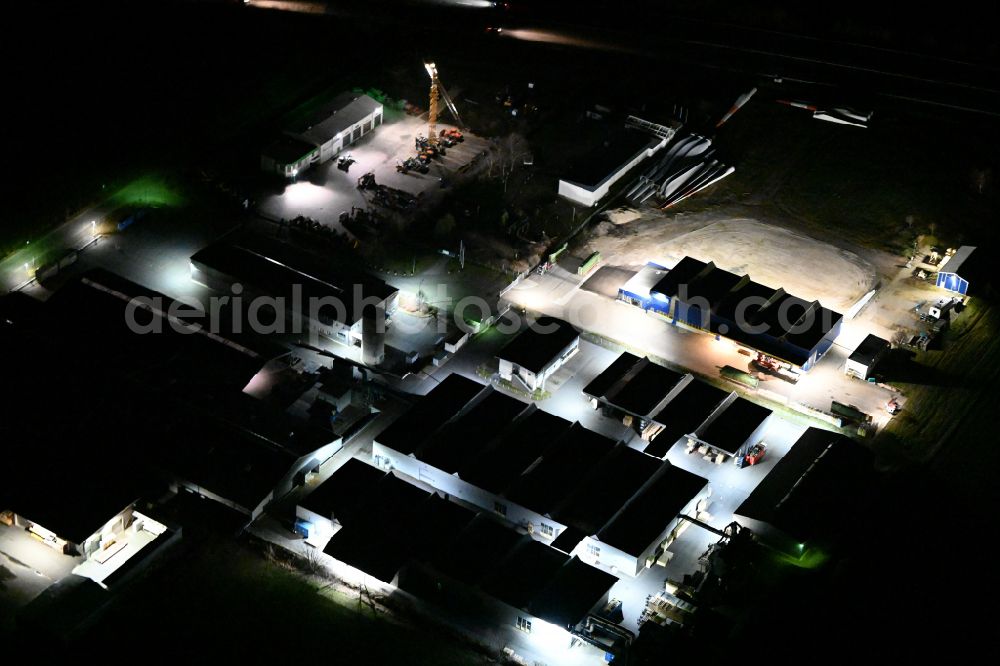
(222, 599)
(876, 187)
(951, 404)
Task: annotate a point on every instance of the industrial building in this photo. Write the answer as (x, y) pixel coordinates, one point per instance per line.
(592, 177)
(328, 508)
(558, 480)
(730, 431)
(863, 360)
(322, 133)
(388, 533)
(957, 269)
(788, 331)
(538, 351)
(326, 301)
(801, 498)
(99, 547)
(640, 532)
(288, 156)
(637, 290)
(661, 405)
(242, 454)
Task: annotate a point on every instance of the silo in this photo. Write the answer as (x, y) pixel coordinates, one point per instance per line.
(373, 335)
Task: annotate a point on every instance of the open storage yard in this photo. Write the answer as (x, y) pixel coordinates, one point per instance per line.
(772, 255)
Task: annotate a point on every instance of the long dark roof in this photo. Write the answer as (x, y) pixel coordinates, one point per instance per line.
(444, 401)
(741, 305)
(686, 270)
(648, 514)
(227, 460)
(730, 429)
(514, 450)
(533, 349)
(643, 388)
(329, 120)
(683, 414)
(600, 384)
(373, 544)
(622, 474)
(562, 469)
(341, 494)
(780, 315)
(477, 551)
(713, 286)
(806, 490)
(279, 270)
(465, 438)
(574, 590)
(617, 149)
(524, 573)
(812, 326)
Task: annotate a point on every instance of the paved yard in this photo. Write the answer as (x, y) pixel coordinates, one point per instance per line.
(28, 567)
(558, 293)
(325, 191)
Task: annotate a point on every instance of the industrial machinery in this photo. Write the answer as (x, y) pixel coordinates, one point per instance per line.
(437, 94)
(345, 162)
(756, 453)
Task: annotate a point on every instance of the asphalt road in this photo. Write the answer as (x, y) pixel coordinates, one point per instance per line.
(17, 270)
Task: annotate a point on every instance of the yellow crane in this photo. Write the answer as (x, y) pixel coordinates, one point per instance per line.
(437, 93)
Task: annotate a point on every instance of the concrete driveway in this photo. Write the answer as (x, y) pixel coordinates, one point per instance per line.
(557, 293)
(325, 191)
(28, 567)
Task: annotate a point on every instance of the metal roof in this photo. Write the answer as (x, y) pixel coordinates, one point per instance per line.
(611, 375)
(869, 349)
(955, 261)
(448, 398)
(534, 349)
(644, 518)
(326, 122)
(733, 426)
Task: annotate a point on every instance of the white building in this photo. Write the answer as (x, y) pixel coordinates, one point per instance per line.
(338, 124)
(538, 352)
(539, 472)
(640, 532)
(314, 297)
(863, 360)
(731, 430)
(591, 179)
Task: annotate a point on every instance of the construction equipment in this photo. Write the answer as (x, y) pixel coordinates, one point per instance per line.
(437, 93)
(412, 164)
(755, 453)
(345, 162)
(425, 146)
